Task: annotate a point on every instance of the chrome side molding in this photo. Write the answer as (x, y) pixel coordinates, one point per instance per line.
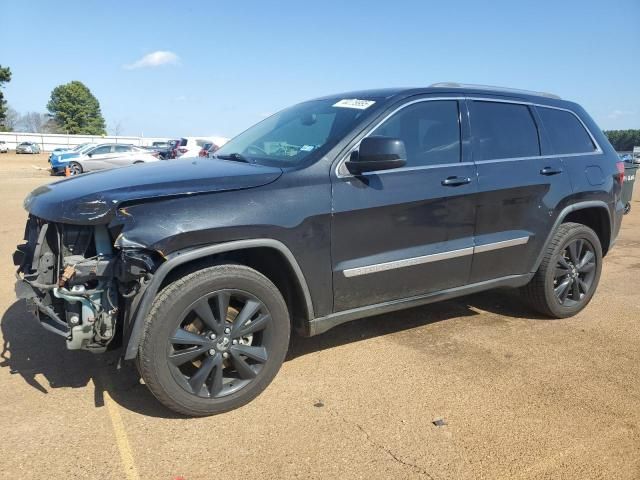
(435, 257)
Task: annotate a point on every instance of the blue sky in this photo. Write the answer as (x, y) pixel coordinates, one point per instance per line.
(229, 64)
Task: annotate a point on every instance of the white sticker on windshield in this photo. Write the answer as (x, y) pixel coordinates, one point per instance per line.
(354, 103)
(307, 148)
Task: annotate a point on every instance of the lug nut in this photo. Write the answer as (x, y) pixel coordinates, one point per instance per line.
(227, 330)
(212, 352)
(212, 336)
(235, 342)
(225, 355)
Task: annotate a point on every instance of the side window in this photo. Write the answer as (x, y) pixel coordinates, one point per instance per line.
(430, 131)
(503, 130)
(101, 150)
(122, 148)
(565, 131)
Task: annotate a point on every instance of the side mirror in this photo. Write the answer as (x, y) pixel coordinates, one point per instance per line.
(377, 153)
(89, 155)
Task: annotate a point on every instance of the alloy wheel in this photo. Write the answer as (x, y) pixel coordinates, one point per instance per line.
(221, 343)
(574, 273)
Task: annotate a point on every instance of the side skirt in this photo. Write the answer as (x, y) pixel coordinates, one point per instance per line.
(322, 324)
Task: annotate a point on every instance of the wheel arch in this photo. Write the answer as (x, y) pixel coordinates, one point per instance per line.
(594, 214)
(264, 255)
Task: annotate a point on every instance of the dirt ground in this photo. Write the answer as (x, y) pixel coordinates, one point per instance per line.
(521, 397)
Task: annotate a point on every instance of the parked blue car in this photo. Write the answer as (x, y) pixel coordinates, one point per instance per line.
(59, 160)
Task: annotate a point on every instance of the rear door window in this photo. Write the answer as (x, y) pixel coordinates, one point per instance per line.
(122, 148)
(566, 132)
(503, 130)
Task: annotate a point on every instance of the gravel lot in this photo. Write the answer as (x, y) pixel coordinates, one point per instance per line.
(521, 397)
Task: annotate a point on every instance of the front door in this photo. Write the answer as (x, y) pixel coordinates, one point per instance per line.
(408, 231)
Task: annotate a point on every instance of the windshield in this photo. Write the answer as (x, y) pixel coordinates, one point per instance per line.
(303, 132)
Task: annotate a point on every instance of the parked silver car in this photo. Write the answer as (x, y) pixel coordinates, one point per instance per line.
(28, 147)
(4, 148)
(110, 155)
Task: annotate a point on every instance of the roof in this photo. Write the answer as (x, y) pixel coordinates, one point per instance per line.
(447, 87)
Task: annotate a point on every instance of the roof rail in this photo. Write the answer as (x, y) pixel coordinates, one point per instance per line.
(490, 87)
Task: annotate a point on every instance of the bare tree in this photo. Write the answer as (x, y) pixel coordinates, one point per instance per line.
(116, 128)
(34, 122)
(12, 120)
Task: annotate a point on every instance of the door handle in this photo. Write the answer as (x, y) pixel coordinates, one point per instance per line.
(455, 181)
(550, 171)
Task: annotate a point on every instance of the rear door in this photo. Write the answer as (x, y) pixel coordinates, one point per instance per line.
(519, 186)
(407, 231)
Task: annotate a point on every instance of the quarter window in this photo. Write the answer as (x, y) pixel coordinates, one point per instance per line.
(503, 130)
(430, 131)
(566, 133)
(122, 148)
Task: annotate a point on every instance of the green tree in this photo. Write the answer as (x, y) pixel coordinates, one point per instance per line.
(5, 76)
(623, 140)
(75, 110)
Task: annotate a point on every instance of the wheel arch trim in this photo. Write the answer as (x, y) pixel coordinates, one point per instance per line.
(563, 214)
(181, 257)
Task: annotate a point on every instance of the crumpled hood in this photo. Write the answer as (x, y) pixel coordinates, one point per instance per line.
(92, 198)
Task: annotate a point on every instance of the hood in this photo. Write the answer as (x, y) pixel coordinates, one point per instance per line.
(92, 198)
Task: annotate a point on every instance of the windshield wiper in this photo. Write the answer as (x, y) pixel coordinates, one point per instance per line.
(238, 157)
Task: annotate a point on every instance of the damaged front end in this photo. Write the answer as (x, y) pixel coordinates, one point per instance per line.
(76, 283)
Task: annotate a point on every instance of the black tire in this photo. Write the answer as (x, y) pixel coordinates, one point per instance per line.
(173, 385)
(562, 287)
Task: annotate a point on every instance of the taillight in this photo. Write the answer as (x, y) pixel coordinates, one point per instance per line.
(620, 167)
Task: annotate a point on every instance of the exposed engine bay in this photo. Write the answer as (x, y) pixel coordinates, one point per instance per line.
(76, 283)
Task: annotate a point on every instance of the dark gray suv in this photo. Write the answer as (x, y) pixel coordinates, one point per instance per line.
(329, 211)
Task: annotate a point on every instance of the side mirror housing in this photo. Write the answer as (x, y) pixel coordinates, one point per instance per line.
(377, 153)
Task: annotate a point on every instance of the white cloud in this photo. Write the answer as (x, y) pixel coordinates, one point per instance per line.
(155, 59)
(620, 113)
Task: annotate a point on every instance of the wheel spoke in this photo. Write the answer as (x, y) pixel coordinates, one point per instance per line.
(575, 291)
(249, 310)
(203, 310)
(587, 259)
(259, 354)
(181, 357)
(222, 304)
(182, 337)
(255, 326)
(197, 380)
(216, 377)
(562, 262)
(563, 289)
(574, 254)
(242, 367)
(560, 272)
(582, 286)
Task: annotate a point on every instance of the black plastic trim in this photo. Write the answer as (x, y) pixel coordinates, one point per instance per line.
(321, 325)
(184, 256)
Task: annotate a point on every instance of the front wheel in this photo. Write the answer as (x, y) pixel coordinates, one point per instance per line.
(214, 340)
(569, 273)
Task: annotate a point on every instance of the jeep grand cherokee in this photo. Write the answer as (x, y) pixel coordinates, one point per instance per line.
(329, 211)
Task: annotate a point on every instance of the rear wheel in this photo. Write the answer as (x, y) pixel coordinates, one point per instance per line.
(569, 273)
(75, 168)
(214, 340)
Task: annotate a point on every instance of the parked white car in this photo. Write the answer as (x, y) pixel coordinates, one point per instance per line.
(110, 155)
(191, 146)
(4, 148)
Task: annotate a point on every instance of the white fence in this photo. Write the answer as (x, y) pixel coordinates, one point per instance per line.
(49, 141)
